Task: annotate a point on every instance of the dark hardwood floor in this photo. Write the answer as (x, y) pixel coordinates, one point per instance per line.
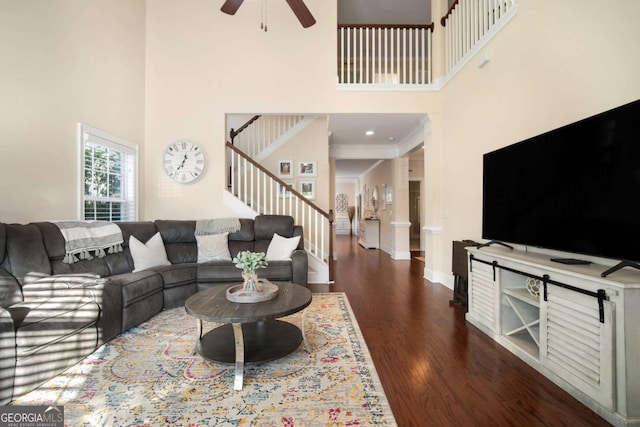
(437, 369)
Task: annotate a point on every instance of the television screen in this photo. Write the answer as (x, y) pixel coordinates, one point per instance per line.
(574, 189)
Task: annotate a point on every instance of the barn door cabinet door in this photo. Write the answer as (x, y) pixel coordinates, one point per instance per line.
(575, 345)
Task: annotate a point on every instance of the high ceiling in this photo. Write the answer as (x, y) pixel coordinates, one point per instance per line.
(349, 129)
(384, 11)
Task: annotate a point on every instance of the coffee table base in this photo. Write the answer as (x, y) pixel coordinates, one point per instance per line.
(255, 342)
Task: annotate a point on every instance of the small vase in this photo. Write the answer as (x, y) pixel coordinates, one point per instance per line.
(250, 282)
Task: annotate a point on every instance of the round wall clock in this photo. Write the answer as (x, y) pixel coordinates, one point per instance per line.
(184, 161)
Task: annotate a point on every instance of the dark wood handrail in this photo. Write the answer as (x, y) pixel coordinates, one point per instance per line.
(329, 215)
(443, 20)
(235, 133)
(241, 153)
(391, 26)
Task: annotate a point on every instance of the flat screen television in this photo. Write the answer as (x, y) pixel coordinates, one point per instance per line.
(574, 189)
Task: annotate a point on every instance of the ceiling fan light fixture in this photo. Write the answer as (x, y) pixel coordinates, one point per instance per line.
(298, 7)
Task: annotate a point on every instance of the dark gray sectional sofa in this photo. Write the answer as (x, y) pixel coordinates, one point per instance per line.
(53, 314)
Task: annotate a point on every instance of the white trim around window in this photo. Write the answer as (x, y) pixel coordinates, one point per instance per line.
(107, 176)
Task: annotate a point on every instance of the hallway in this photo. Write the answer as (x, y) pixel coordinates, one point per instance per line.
(437, 369)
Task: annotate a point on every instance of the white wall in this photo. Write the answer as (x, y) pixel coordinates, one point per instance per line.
(64, 62)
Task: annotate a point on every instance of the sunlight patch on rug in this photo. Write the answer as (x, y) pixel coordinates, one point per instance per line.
(150, 376)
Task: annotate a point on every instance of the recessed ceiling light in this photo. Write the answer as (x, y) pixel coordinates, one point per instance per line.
(391, 138)
(369, 132)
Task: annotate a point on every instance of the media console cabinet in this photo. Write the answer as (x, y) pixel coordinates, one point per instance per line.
(581, 331)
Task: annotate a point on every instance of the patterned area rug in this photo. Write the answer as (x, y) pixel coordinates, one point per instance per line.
(149, 377)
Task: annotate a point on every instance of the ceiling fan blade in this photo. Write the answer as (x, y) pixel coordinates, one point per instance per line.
(231, 6)
(302, 12)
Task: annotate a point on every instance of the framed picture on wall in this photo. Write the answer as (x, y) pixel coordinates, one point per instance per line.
(284, 191)
(307, 188)
(307, 169)
(285, 168)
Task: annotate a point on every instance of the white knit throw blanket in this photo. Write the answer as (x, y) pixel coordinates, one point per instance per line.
(217, 226)
(83, 237)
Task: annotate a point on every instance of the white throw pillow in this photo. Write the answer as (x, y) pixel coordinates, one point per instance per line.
(213, 247)
(147, 255)
(281, 248)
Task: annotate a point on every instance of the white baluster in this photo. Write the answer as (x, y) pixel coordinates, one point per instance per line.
(380, 50)
(391, 54)
(361, 55)
(429, 52)
(322, 234)
(366, 53)
(349, 55)
(386, 53)
(341, 79)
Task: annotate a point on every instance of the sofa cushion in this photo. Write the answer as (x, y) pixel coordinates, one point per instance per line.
(176, 231)
(10, 292)
(179, 240)
(266, 225)
(137, 286)
(54, 244)
(177, 274)
(276, 270)
(236, 247)
(149, 254)
(25, 251)
(246, 232)
(281, 248)
(218, 271)
(143, 230)
(64, 315)
(213, 247)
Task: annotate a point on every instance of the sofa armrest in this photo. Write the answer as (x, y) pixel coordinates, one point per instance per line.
(7, 355)
(299, 267)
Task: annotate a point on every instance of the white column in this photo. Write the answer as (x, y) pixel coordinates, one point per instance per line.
(400, 214)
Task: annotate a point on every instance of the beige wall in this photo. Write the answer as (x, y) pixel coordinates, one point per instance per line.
(64, 62)
(311, 144)
(218, 64)
(348, 188)
(383, 173)
(555, 63)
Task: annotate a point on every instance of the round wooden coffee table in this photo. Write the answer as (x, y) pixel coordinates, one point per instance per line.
(250, 332)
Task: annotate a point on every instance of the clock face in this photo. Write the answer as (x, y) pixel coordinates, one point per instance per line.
(184, 161)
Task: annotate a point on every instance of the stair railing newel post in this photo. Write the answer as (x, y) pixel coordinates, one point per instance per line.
(331, 218)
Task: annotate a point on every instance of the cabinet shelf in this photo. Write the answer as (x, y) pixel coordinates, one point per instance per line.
(523, 295)
(521, 319)
(524, 341)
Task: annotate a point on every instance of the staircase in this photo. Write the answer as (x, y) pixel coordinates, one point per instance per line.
(261, 136)
(252, 189)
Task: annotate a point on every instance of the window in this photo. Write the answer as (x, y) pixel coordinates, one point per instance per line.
(109, 172)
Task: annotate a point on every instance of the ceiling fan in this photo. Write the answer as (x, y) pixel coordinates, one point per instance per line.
(297, 6)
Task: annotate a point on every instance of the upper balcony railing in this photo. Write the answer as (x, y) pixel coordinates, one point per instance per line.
(470, 21)
(384, 54)
(401, 56)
